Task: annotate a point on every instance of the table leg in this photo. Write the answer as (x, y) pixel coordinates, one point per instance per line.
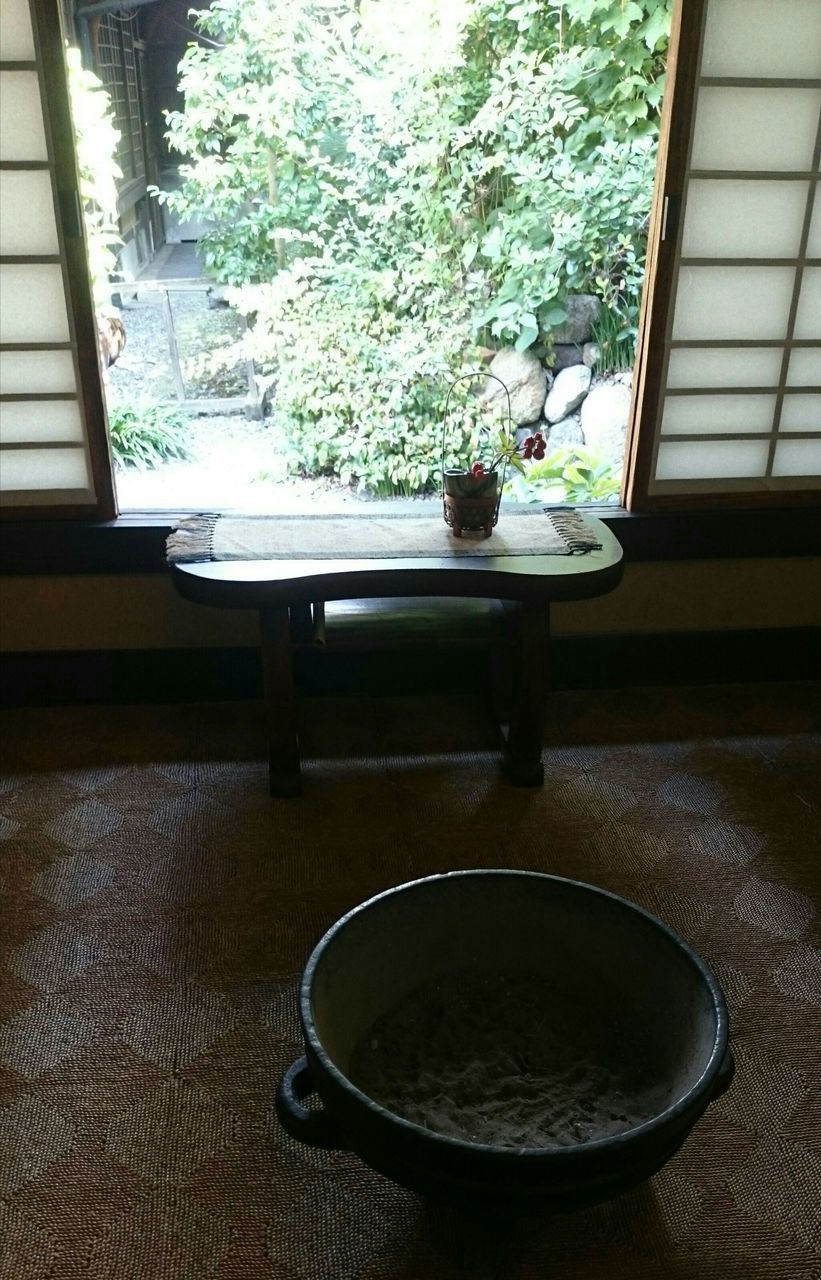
(525, 735)
(280, 703)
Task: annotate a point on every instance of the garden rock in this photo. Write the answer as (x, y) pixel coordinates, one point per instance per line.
(591, 354)
(583, 311)
(604, 419)
(565, 355)
(567, 393)
(565, 433)
(524, 378)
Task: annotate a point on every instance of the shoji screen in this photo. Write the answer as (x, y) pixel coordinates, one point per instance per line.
(736, 405)
(53, 451)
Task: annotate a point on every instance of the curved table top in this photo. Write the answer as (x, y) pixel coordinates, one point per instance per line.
(256, 584)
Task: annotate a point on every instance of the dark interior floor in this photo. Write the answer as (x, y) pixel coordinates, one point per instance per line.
(158, 907)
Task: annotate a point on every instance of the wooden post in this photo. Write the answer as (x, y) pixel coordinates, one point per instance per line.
(530, 656)
(173, 349)
(280, 703)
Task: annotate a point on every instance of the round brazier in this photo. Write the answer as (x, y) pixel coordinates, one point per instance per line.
(574, 1016)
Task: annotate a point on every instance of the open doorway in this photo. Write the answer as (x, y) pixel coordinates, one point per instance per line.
(325, 215)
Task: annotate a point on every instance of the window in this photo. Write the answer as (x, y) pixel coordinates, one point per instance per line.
(729, 397)
(727, 401)
(53, 445)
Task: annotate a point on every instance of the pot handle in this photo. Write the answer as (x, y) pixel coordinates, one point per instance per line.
(314, 1128)
(725, 1075)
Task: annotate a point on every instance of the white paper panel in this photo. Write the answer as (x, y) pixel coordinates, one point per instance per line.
(27, 222)
(44, 371)
(805, 368)
(24, 421)
(814, 242)
(724, 368)
(733, 302)
(801, 413)
(798, 458)
(808, 318)
(709, 415)
(711, 460)
(758, 38)
(22, 136)
(32, 304)
(45, 469)
(16, 39)
(737, 219)
(762, 129)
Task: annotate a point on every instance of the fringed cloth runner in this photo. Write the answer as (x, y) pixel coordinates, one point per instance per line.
(399, 537)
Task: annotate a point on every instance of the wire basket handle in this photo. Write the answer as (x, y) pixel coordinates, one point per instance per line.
(462, 376)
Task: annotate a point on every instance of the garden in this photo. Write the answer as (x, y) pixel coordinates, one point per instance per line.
(399, 195)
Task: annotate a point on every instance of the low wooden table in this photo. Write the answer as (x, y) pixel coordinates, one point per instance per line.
(281, 590)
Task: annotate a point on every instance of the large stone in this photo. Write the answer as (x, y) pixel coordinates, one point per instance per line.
(565, 433)
(524, 378)
(604, 419)
(591, 354)
(565, 355)
(582, 313)
(567, 392)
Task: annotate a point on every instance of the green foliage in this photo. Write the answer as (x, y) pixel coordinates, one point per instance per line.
(574, 474)
(388, 186)
(145, 435)
(616, 339)
(96, 146)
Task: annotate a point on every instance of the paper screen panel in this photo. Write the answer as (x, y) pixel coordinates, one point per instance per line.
(36, 421)
(734, 218)
(713, 415)
(47, 469)
(761, 129)
(801, 413)
(814, 242)
(22, 133)
(758, 38)
(808, 317)
(799, 458)
(805, 367)
(711, 460)
(16, 35)
(32, 304)
(27, 221)
(733, 302)
(702, 367)
(42, 372)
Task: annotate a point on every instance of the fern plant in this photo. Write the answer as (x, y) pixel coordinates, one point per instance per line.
(145, 435)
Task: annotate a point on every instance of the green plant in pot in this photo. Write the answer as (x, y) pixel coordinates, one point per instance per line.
(471, 497)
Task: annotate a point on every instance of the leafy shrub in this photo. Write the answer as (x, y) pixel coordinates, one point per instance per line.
(574, 474)
(145, 435)
(96, 144)
(385, 200)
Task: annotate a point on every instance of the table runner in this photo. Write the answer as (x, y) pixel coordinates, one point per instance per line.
(378, 537)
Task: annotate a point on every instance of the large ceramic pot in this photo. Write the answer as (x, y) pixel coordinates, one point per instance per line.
(604, 956)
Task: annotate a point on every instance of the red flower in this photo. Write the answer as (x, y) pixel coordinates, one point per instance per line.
(477, 470)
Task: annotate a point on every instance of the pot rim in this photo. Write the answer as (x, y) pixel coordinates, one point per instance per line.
(599, 1146)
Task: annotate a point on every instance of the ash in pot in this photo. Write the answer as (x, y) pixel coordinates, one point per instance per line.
(508, 1061)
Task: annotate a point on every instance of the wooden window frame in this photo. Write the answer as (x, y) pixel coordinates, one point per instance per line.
(661, 276)
(655, 319)
(49, 65)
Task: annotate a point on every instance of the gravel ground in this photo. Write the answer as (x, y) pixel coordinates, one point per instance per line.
(234, 464)
(144, 368)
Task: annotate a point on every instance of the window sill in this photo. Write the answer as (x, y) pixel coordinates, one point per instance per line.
(136, 543)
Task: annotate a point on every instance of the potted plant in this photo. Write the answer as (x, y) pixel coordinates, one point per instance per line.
(471, 497)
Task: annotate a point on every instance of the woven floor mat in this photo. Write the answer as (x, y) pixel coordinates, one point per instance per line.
(158, 907)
